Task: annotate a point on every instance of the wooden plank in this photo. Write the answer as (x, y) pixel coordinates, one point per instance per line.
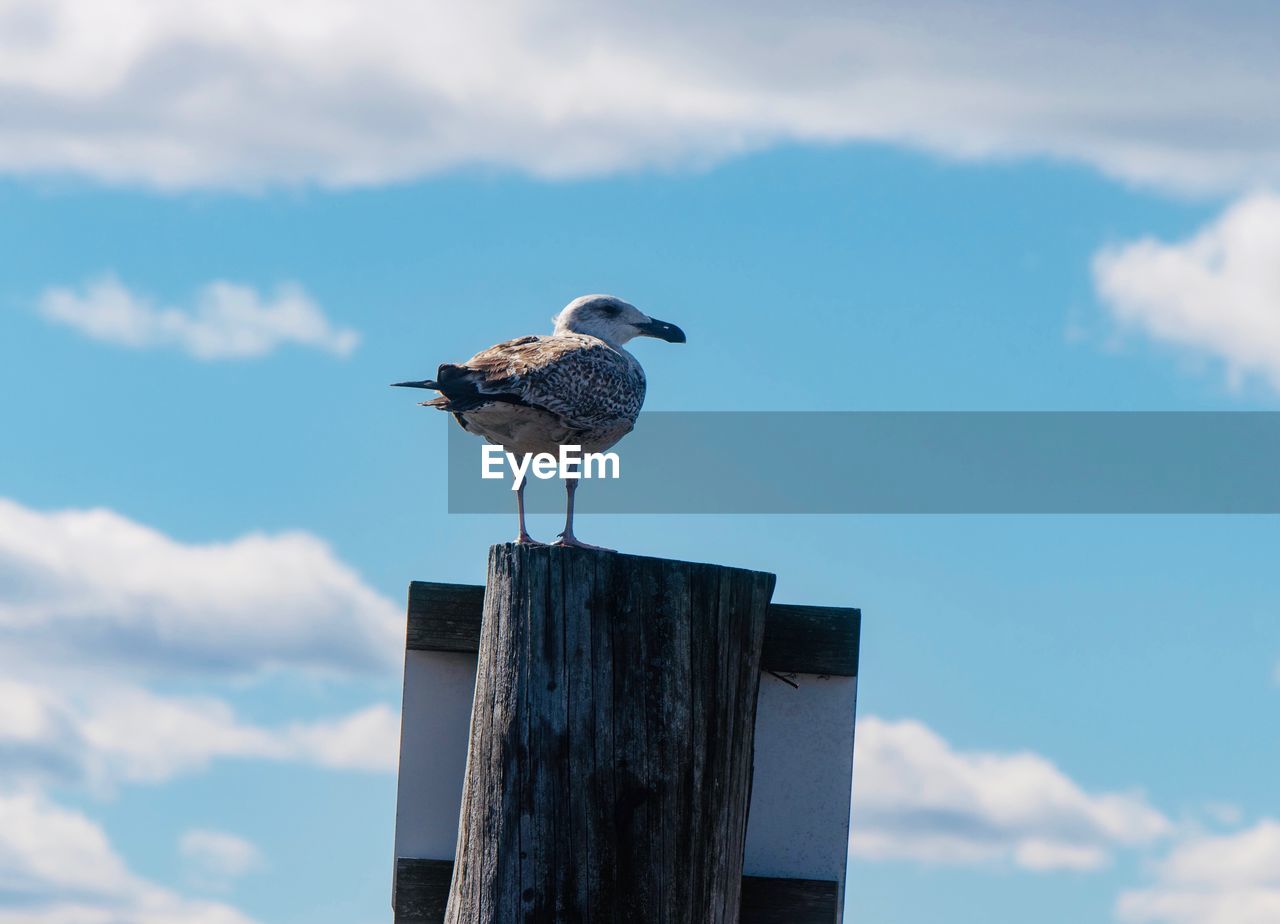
(684, 638)
(422, 888)
(444, 617)
(812, 640)
(797, 639)
(788, 901)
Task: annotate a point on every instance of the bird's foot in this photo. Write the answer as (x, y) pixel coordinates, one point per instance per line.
(570, 541)
(525, 539)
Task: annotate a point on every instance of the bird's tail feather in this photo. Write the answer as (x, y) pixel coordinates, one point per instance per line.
(447, 374)
(459, 390)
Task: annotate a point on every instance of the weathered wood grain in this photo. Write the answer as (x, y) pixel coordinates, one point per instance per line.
(812, 640)
(789, 901)
(422, 890)
(612, 731)
(797, 639)
(444, 617)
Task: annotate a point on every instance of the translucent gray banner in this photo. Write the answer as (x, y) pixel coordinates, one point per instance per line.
(912, 462)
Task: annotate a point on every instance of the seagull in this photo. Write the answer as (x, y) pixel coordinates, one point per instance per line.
(577, 387)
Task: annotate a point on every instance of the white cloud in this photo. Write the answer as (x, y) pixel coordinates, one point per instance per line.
(47, 850)
(216, 858)
(1247, 857)
(915, 797)
(40, 738)
(91, 587)
(139, 736)
(57, 867)
(1218, 292)
(1224, 813)
(1213, 879)
(106, 734)
(238, 92)
(90, 598)
(365, 740)
(227, 321)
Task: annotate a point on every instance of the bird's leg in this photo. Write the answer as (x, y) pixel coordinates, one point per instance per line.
(567, 538)
(523, 538)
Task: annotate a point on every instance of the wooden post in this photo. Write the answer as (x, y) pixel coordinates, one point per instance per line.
(612, 731)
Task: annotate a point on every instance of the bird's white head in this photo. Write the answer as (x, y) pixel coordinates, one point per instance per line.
(613, 321)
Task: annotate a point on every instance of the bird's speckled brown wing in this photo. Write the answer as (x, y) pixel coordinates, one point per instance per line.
(582, 380)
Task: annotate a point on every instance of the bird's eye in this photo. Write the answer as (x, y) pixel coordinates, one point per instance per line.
(610, 311)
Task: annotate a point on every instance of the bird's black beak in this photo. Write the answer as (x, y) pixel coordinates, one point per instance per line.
(425, 383)
(662, 330)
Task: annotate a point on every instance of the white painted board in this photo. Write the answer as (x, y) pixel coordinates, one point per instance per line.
(799, 821)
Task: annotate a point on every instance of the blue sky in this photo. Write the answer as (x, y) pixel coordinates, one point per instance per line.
(208, 521)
